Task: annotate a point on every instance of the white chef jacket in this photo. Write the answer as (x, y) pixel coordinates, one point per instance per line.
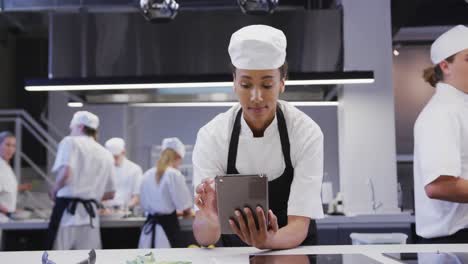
(8, 186)
(264, 155)
(442, 258)
(128, 178)
(92, 175)
(440, 148)
(170, 194)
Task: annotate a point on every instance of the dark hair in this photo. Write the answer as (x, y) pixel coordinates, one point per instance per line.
(283, 70)
(433, 75)
(4, 135)
(91, 132)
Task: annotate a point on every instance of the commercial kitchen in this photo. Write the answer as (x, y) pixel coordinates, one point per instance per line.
(116, 116)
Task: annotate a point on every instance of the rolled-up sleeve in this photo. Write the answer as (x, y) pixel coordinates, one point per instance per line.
(437, 145)
(137, 177)
(180, 193)
(305, 196)
(206, 158)
(110, 181)
(64, 154)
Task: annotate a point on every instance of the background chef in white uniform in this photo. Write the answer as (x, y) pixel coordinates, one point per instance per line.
(441, 144)
(8, 184)
(261, 134)
(128, 177)
(84, 176)
(163, 192)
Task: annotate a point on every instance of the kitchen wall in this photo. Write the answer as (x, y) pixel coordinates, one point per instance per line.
(411, 92)
(411, 95)
(366, 114)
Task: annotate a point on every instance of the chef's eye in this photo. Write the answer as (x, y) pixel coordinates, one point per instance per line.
(245, 85)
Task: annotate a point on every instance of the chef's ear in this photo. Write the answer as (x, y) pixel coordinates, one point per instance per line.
(282, 85)
(445, 67)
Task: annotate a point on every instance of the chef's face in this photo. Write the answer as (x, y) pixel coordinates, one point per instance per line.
(119, 158)
(258, 92)
(8, 148)
(456, 72)
(177, 162)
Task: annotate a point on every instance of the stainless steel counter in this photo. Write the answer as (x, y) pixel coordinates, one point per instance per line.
(377, 220)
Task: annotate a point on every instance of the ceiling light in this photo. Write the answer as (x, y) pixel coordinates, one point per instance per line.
(223, 104)
(75, 104)
(199, 81)
(159, 10)
(258, 7)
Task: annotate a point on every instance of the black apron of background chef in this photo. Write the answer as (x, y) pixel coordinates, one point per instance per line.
(279, 188)
(170, 225)
(460, 237)
(62, 203)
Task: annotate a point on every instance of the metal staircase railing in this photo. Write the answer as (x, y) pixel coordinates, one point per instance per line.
(23, 120)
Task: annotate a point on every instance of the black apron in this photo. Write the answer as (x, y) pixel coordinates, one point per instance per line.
(62, 203)
(170, 225)
(460, 237)
(279, 188)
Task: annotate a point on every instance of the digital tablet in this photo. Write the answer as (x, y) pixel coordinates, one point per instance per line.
(236, 191)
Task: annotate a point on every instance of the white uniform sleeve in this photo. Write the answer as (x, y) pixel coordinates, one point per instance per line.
(144, 192)
(64, 154)
(305, 196)
(3, 178)
(206, 158)
(437, 146)
(137, 177)
(179, 191)
(110, 184)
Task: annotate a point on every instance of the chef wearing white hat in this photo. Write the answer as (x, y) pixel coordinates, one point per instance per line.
(163, 192)
(127, 176)
(441, 144)
(261, 134)
(84, 176)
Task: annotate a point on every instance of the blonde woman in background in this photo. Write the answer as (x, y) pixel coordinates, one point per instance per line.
(163, 193)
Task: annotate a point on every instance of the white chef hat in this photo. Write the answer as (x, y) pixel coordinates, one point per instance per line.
(85, 118)
(449, 43)
(115, 146)
(257, 47)
(175, 144)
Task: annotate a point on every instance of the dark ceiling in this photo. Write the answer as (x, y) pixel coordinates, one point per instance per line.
(421, 13)
(405, 13)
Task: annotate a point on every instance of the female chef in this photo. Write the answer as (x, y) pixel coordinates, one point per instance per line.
(265, 135)
(8, 184)
(163, 192)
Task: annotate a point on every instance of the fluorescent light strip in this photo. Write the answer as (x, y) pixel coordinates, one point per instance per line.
(87, 87)
(220, 104)
(75, 104)
(329, 81)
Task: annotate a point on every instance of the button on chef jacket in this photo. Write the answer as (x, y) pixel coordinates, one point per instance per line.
(92, 174)
(264, 155)
(440, 148)
(8, 186)
(170, 194)
(127, 179)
